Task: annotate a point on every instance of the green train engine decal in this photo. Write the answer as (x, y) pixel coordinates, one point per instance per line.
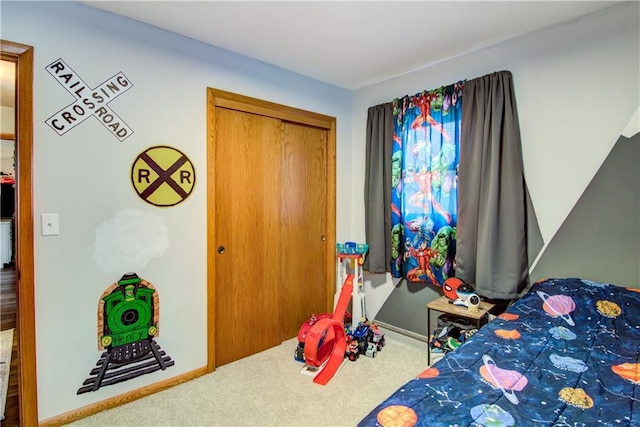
(127, 313)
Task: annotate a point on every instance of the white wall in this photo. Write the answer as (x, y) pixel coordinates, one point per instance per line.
(577, 87)
(84, 177)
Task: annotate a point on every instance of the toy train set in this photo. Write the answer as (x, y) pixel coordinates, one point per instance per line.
(128, 322)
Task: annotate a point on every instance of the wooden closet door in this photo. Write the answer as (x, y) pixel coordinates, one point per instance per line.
(304, 224)
(270, 223)
(248, 234)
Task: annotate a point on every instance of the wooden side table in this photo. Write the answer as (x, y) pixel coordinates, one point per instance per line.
(444, 305)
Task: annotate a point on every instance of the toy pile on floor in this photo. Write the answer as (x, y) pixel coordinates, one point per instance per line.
(326, 340)
(365, 339)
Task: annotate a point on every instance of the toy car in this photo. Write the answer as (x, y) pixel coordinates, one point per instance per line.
(363, 334)
(353, 351)
(299, 353)
(377, 336)
(372, 349)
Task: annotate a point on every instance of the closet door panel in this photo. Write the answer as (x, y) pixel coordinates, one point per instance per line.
(248, 253)
(304, 224)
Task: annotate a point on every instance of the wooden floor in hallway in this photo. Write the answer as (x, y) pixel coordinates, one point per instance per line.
(8, 321)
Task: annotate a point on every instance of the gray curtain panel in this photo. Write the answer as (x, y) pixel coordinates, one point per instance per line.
(377, 187)
(495, 215)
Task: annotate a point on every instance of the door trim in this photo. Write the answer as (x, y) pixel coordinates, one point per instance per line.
(221, 99)
(22, 56)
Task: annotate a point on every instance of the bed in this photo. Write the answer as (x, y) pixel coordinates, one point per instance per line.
(566, 354)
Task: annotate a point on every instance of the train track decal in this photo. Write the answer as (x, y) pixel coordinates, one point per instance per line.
(108, 371)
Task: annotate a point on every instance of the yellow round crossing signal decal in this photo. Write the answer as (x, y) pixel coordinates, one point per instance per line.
(163, 176)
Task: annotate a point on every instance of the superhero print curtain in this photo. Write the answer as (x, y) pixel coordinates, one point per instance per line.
(424, 193)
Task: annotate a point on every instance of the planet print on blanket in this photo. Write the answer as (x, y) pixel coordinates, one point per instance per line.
(594, 284)
(628, 371)
(608, 308)
(558, 306)
(576, 397)
(508, 316)
(505, 380)
(397, 416)
(491, 415)
(562, 333)
(430, 372)
(568, 363)
(508, 334)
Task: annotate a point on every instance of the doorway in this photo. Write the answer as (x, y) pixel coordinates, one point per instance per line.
(17, 272)
(271, 223)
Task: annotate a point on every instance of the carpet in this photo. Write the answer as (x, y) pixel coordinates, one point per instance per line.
(267, 389)
(6, 347)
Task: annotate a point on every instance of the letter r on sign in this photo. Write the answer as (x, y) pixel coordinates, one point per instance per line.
(143, 174)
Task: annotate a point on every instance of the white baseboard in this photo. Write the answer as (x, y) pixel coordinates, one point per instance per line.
(403, 336)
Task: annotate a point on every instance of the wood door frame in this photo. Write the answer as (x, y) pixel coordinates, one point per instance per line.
(22, 56)
(222, 99)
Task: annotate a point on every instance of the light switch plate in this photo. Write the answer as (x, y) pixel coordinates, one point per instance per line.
(50, 226)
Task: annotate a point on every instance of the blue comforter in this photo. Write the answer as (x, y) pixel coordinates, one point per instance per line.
(565, 354)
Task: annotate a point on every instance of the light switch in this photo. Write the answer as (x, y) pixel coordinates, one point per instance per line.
(50, 226)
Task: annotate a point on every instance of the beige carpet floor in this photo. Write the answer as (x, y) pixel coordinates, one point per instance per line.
(268, 389)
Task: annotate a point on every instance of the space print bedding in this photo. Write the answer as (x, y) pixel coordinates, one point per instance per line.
(566, 354)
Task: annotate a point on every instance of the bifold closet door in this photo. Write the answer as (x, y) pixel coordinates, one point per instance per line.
(248, 234)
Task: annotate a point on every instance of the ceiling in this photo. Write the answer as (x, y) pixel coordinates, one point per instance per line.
(351, 44)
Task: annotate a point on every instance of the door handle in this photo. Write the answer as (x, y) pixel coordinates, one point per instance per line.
(323, 237)
(220, 249)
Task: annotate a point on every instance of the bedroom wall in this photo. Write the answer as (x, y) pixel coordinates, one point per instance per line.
(83, 176)
(599, 239)
(577, 87)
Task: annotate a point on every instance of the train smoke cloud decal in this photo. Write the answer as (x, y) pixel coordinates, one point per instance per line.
(89, 102)
(128, 323)
(129, 240)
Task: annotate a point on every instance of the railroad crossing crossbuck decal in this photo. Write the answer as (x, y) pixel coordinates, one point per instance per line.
(89, 102)
(163, 176)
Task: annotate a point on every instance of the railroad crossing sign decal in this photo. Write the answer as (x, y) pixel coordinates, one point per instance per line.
(163, 176)
(89, 102)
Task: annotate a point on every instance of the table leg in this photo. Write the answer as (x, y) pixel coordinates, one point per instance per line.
(428, 337)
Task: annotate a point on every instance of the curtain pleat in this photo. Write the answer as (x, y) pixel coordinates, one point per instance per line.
(495, 213)
(377, 201)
